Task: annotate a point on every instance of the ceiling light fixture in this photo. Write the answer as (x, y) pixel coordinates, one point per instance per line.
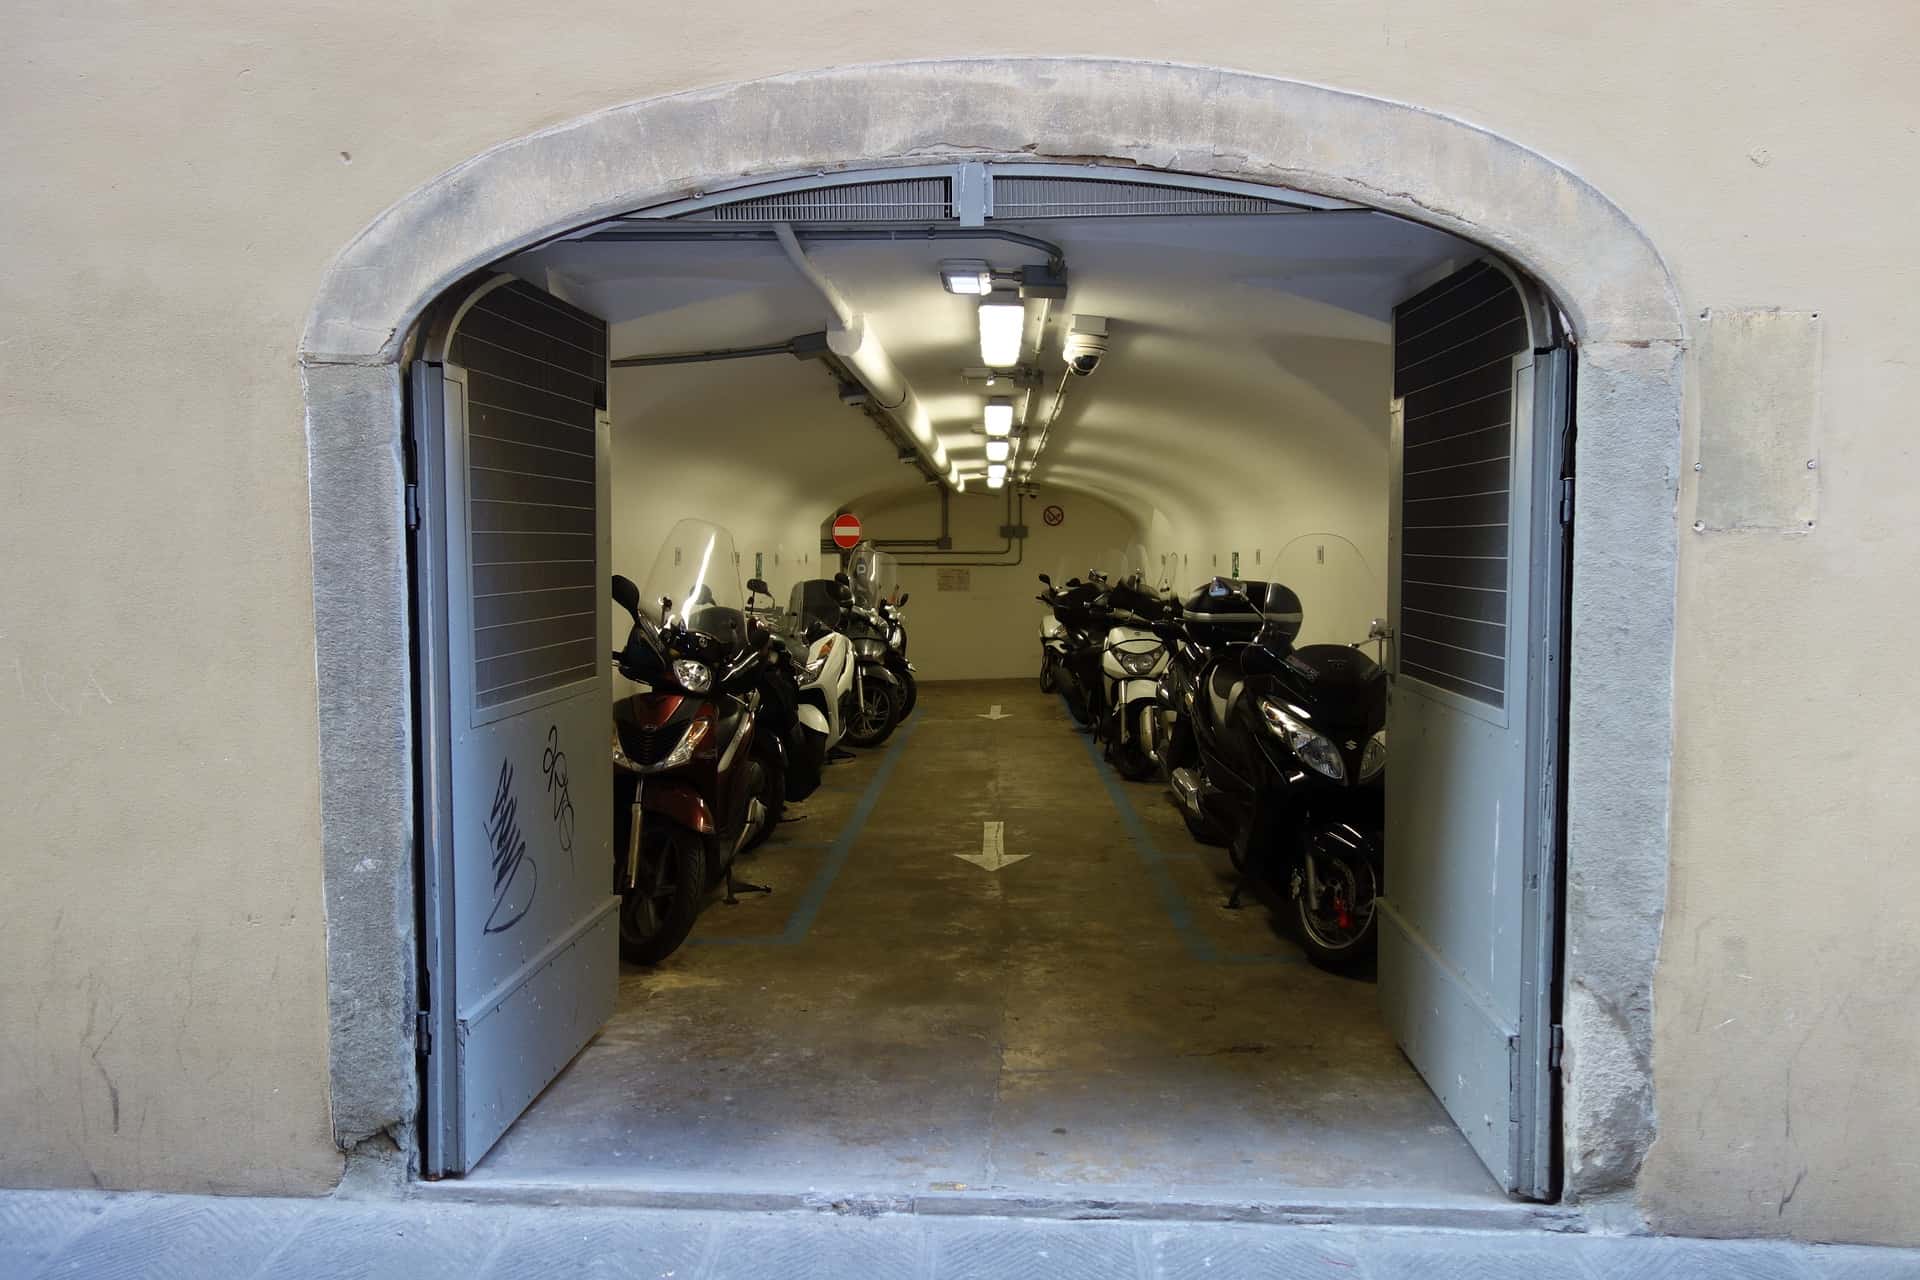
(1003, 329)
(996, 471)
(999, 416)
(999, 450)
(996, 482)
(966, 275)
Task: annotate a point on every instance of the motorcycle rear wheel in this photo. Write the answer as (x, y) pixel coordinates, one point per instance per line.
(912, 688)
(657, 914)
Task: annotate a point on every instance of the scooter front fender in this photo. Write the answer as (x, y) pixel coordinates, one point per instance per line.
(677, 802)
(1132, 691)
(813, 717)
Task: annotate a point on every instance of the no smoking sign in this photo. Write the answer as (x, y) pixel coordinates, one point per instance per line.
(1053, 515)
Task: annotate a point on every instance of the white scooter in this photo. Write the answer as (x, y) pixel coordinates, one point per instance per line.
(826, 673)
(1132, 660)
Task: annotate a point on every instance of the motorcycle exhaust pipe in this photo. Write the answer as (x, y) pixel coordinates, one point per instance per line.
(1187, 787)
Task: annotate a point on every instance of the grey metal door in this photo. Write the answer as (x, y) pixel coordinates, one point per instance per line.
(520, 922)
(1480, 417)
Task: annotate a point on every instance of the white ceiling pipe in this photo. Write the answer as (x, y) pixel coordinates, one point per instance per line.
(849, 338)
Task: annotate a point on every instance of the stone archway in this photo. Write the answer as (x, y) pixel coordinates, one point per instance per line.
(1601, 270)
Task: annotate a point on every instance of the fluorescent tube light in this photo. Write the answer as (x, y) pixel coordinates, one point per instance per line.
(999, 415)
(1003, 329)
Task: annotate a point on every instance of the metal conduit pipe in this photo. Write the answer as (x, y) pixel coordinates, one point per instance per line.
(851, 340)
(1016, 510)
(802, 346)
(640, 230)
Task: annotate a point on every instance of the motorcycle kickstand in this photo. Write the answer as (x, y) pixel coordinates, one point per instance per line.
(1233, 899)
(741, 886)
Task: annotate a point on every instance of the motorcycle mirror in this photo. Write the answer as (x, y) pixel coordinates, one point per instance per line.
(666, 609)
(842, 579)
(626, 595)
(759, 586)
(1044, 578)
(903, 599)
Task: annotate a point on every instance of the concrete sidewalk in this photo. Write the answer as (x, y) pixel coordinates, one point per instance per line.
(210, 1238)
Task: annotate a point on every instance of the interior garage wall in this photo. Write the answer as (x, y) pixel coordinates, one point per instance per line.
(991, 628)
(162, 975)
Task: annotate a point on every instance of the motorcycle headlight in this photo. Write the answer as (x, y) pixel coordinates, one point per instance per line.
(870, 648)
(1137, 664)
(1374, 758)
(1314, 748)
(694, 677)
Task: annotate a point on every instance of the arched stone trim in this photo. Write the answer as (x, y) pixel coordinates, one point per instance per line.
(1601, 270)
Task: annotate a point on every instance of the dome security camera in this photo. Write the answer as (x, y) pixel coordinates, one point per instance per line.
(1085, 344)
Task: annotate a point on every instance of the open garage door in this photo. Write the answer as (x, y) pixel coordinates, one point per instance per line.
(511, 558)
(1476, 593)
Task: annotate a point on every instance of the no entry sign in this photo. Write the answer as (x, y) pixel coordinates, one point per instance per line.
(846, 530)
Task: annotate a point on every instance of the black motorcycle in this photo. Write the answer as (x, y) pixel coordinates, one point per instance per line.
(1075, 660)
(893, 619)
(1290, 773)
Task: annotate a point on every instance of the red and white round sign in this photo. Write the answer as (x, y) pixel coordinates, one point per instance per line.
(846, 530)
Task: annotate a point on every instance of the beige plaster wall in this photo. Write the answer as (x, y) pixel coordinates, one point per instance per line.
(177, 178)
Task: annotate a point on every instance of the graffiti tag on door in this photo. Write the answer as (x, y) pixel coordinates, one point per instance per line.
(515, 875)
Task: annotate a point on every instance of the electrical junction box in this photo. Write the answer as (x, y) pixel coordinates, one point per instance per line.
(1013, 531)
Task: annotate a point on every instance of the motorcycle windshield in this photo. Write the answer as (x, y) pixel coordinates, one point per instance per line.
(814, 602)
(1338, 589)
(698, 574)
(875, 575)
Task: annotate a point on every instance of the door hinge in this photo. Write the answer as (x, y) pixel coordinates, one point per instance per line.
(423, 1034)
(1557, 1047)
(413, 505)
(1566, 500)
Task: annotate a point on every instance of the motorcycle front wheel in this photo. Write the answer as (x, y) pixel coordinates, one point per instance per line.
(657, 914)
(1338, 930)
(1049, 682)
(874, 715)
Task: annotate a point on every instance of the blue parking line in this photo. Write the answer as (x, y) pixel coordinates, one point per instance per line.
(1172, 901)
(815, 894)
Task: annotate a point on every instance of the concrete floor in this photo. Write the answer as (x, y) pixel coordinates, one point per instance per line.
(894, 1019)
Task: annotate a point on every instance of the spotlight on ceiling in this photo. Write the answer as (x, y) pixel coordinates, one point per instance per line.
(999, 450)
(996, 482)
(1003, 329)
(966, 275)
(999, 415)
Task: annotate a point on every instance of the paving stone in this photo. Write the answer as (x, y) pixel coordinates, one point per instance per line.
(1654, 1258)
(1464, 1255)
(1860, 1262)
(34, 1225)
(1190, 1253)
(182, 1238)
(601, 1245)
(1058, 1251)
(361, 1240)
(813, 1247)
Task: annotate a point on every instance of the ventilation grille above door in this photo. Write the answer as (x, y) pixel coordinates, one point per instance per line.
(1453, 371)
(1025, 197)
(536, 381)
(893, 200)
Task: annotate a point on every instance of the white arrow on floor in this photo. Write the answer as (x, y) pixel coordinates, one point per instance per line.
(994, 713)
(993, 853)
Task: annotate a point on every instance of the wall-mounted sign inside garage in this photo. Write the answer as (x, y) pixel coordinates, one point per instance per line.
(1054, 515)
(954, 580)
(846, 530)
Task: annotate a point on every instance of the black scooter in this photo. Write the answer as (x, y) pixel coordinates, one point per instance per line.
(1291, 769)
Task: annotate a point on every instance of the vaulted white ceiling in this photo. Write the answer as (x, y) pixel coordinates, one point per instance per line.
(1248, 360)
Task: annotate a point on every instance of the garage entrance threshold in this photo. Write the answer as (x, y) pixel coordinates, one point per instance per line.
(1307, 1208)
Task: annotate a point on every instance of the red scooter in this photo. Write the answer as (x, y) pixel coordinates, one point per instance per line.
(688, 786)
